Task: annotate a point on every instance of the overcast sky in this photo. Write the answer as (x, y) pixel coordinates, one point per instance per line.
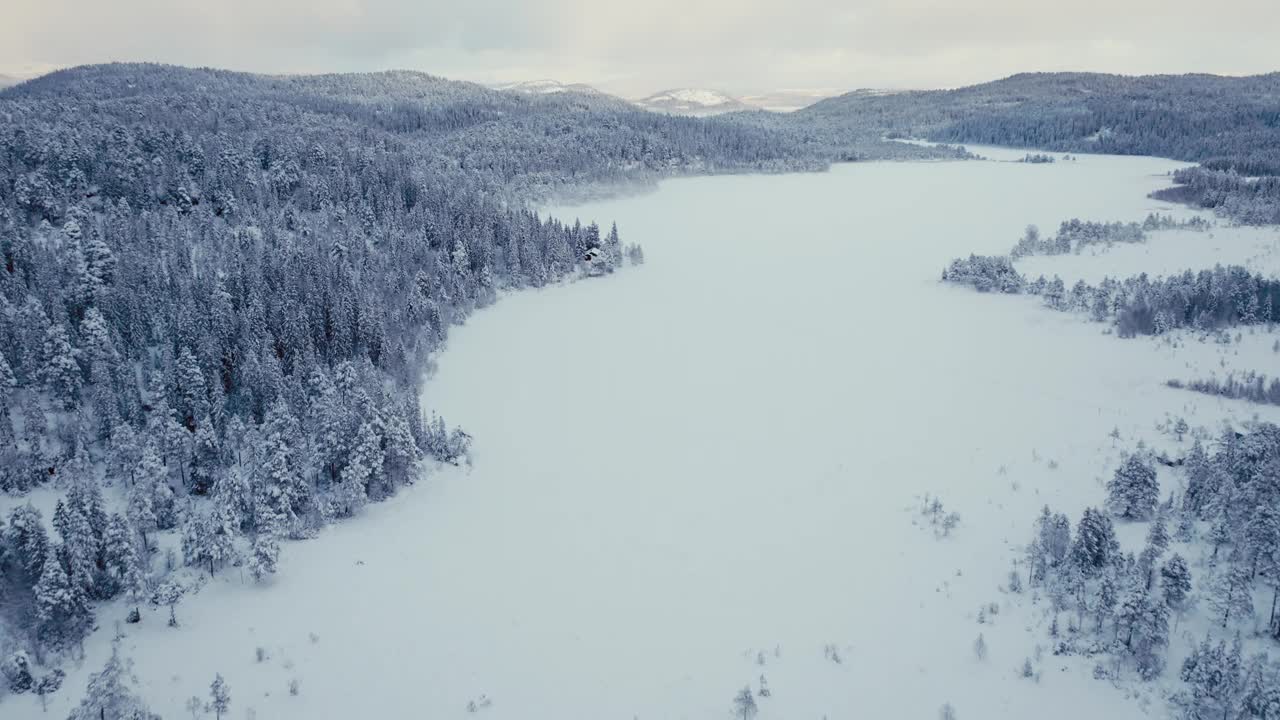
(638, 47)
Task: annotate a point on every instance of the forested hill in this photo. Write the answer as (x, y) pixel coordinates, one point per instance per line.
(1224, 122)
(510, 143)
(1231, 125)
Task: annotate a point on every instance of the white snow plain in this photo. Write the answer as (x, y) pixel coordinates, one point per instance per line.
(717, 458)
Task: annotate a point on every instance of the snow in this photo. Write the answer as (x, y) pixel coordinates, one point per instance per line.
(695, 96)
(694, 101)
(720, 454)
(535, 87)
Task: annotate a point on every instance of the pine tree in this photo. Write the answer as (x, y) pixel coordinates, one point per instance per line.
(208, 540)
(613, 247)
(1158, 533)
(8, 383)
(400, 451)
(219, 696)
(206, 461)
(193, 397)
(79, 545)
(1202, 480)
(265, 551)
(363, 467)
(1105, 599)
(744, 704)
(1175, 582)
(282, 489)
(1262, 535)
(28, 539)
(169, 594)
(1144, 622)
(1095, 545)
(86, 497)
(109, 695)
(59, 371)
(120, 551)
(1134, 491)
(141, 499)
(1213, 678)
(124, 454)
(62, 608)
(1231, 592)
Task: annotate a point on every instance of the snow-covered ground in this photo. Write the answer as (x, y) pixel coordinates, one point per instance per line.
(716, 459)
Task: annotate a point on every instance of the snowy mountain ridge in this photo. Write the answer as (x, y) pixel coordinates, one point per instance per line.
(692, 101)
(546, 86)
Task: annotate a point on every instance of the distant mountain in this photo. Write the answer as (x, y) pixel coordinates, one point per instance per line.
(693, 101)
(788, 100)
(546, 87)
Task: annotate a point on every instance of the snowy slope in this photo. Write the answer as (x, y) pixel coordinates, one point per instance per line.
(692, 101)
(715, 461)
(546, 87)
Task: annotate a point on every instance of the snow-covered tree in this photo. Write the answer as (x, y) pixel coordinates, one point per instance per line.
(219, 696)
(110, 695)
(48, 684)
(121, 557)
(28, 538)
(1133, 491)
(80, 547)
(59, 372)
(169, 594)
(62, 608)
(1230, 593)
(363, 467)
(1095, 544)
(744, 704)
(1143, 622)
(1213, 678)
(1175, 582)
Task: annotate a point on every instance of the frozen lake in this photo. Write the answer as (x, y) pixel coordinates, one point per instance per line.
(720, 454)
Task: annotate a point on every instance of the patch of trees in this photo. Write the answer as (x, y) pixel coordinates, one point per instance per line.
(1249, 200)
(1123, 605)
(1037, 159)
(1205, 301)
(1075, 235)
(1251, 386)
(985, 273)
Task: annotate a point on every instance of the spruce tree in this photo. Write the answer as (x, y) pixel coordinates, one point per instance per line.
(1133, 491)
(62, 608)
(264, 554)
(28, 539)
(79, 546)
(1095, 545)
(59, 371)
(363, 467)
(1175, 582)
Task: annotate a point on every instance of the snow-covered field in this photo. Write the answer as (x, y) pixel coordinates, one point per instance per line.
(716, 460)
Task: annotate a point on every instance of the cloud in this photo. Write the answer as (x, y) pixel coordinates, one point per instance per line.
(637, 47)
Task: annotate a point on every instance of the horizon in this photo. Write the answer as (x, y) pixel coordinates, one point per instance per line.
(636, 50)
(817, 92)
